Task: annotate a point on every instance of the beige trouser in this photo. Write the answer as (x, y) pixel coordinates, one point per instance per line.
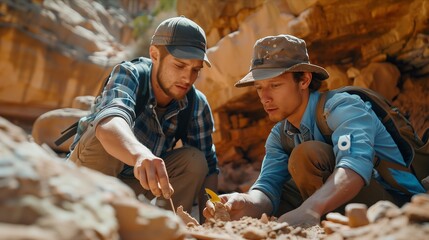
(314, 162)
(186, 168)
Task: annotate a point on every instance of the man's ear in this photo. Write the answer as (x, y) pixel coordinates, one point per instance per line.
(306, 80)
(154, 53)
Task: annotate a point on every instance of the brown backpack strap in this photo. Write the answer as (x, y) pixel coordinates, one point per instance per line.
(382, 167)
(321, 119)
(286, 141)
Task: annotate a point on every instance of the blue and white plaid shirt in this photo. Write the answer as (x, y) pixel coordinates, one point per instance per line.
(119, 99)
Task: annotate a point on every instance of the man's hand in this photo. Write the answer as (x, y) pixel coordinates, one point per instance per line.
(119, 141)
(235, 204)
(152, 174)
(341, 186)
(251, 204)
(300, 216)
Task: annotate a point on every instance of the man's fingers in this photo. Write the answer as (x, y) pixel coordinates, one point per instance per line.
(164, 183)
(171, 189)
(152, 179)
(143, 179)
(207, 214)
(140, 174)
(209, 211)
(152, 175)
(210, 208)
(224, 198)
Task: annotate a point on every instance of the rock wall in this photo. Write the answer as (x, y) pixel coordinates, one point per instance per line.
(53, 51)
(381, 45)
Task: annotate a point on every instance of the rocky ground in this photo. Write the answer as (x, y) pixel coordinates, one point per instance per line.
(45, 194)
(252, 228)
(383, 220)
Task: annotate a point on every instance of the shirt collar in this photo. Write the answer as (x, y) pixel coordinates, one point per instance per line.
(175, 104)
(308, 119)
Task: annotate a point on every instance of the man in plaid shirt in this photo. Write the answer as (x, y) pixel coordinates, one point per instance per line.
(138, 146)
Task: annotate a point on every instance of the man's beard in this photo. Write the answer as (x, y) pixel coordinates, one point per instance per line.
(161, 84)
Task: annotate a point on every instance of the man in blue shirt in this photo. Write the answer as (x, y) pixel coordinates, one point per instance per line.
(138, 147)
(317, 177)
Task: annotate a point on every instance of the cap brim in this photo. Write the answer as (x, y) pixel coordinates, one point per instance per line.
(188, 52)
(259, 74)
(266, 73)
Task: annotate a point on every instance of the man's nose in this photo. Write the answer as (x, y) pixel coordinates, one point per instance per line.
(264, 96)
(187, 76)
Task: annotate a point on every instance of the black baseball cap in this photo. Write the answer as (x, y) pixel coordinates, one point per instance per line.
(182, 37)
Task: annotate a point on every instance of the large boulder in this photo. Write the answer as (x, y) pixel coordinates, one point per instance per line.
(44, 197)
(48, 127)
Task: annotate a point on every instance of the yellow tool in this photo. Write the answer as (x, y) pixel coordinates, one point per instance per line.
(212, 195)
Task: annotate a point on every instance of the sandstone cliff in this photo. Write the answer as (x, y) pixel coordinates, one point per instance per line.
(54, 51)
(382, 45)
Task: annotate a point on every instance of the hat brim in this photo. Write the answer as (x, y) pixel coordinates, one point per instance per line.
(267, 73)
(188, 52)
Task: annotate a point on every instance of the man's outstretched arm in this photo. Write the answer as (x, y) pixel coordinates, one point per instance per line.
(341, 186)
(119, 141)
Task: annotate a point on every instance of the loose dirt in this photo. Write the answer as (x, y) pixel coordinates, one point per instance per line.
(252, 228)
(383, 220)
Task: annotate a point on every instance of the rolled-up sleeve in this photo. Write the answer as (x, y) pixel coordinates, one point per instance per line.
(119, 95)
(354, 130)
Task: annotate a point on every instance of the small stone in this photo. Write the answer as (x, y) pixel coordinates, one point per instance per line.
(356, 212)
(264, 218)
(380, 210)
(416, 213)
(253, 233)
(337, 218)
(221, 213)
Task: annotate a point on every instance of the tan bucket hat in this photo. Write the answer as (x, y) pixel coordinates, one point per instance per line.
(275, 55)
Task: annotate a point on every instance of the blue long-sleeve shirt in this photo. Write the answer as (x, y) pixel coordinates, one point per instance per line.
(119, 99)
(346, 115)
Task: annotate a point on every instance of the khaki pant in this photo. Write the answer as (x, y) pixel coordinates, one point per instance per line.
(310, 164)
(186, 168)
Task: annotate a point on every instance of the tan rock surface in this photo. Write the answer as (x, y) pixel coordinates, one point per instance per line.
(252, 228)
(186, 217)
(48, 127)
(43, 197)
(380, 77)
(53, 51)
(387, 221)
